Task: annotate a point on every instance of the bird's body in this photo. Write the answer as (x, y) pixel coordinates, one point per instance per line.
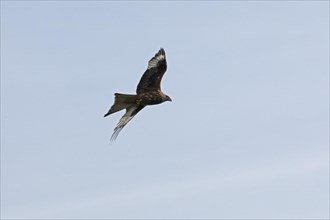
(148, 92)
(151, 98)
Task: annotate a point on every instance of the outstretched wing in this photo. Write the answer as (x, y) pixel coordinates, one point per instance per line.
(154, 73)
(130, 113)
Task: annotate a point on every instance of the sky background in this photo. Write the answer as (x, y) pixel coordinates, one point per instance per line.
(246, 136)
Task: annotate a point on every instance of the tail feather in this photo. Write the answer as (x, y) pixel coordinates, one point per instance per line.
(122, 101)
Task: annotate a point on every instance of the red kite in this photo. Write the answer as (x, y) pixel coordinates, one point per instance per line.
(148, 92)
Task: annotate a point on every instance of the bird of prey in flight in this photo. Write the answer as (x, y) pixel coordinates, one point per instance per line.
(148, 92)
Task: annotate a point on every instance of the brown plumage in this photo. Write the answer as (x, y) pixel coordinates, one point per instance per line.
(148, 92)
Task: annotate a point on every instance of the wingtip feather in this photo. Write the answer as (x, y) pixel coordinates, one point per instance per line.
(159, 57)
(161, 51)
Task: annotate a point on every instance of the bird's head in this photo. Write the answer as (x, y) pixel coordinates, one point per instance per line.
(167, 98)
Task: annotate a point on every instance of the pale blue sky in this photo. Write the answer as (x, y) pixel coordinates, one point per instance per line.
(246, 135)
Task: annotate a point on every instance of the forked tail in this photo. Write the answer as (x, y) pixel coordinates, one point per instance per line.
(122, 101)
